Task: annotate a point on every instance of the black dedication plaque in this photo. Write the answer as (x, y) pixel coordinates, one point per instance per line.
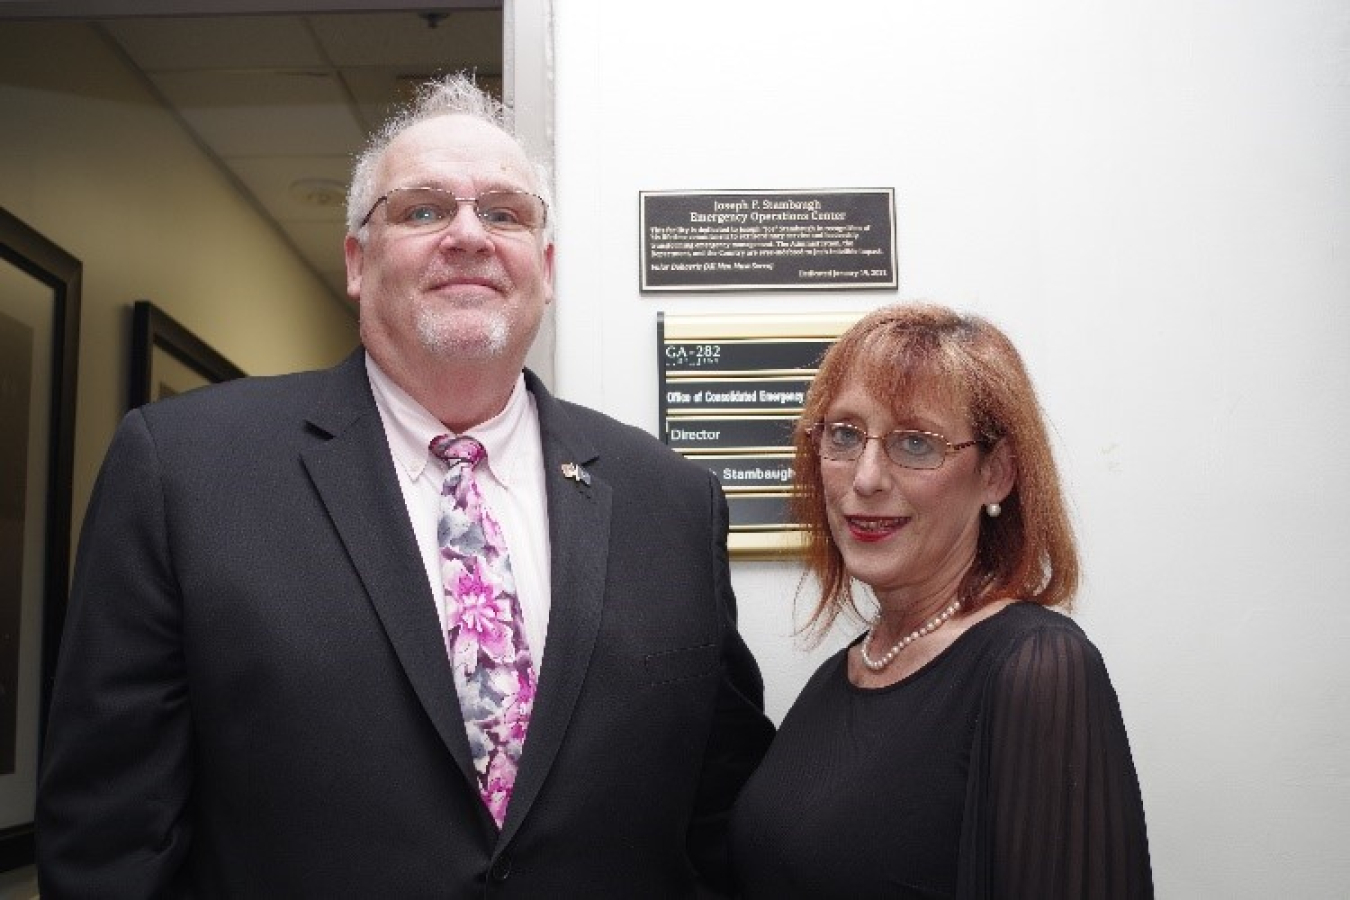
(767, 240)
(732, 389)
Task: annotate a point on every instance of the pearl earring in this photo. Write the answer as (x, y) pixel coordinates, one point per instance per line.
(993, 509)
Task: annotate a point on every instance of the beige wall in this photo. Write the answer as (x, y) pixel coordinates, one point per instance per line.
(94, 163)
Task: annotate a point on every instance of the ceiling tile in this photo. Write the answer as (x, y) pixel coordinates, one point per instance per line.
(464, 39)
(377, 92)
(262, 113)
(238, 42)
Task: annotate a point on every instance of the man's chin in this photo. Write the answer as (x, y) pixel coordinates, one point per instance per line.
(463, 342)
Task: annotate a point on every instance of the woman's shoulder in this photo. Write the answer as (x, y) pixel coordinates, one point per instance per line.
(1032, 644)
(1023, 619)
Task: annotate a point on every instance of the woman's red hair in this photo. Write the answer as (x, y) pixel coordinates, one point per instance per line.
(920, 350)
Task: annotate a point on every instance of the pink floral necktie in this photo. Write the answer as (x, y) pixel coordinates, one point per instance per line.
(485, 634)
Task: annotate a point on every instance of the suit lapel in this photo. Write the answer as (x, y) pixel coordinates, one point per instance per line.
(579, 524)
(355, 479)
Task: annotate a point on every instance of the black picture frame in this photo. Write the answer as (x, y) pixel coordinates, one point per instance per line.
(167, 358)
(40, 287)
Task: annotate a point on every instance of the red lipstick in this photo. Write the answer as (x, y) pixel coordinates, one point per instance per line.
(871, 529)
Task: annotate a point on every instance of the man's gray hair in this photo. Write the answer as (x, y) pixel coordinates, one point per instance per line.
(455, 94)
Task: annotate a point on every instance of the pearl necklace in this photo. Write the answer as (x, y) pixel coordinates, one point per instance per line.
(932, 625)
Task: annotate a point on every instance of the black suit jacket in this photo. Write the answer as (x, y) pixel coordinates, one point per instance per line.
(254, 700)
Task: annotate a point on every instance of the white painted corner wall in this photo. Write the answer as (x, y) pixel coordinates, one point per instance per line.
(1153, 199)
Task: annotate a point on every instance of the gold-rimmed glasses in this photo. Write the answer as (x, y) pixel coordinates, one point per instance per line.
(905, 447)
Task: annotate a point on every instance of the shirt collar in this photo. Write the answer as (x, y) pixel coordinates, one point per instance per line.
(410, 427)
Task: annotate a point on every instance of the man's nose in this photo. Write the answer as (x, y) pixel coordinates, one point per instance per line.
(465, 230)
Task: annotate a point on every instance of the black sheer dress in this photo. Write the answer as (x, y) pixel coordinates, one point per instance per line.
(999, 769)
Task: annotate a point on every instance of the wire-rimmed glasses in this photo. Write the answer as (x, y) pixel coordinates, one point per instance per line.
(426, 210)
(905, 447)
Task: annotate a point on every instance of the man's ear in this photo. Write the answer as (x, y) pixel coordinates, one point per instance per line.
(548, 273)
(354, 253)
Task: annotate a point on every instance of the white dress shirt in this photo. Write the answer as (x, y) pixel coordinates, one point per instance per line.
(511, 479)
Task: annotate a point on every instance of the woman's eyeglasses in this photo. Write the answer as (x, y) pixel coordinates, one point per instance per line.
(910, 449)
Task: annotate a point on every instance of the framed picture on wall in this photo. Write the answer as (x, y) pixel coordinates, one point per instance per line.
(39, 354)
(168, 359)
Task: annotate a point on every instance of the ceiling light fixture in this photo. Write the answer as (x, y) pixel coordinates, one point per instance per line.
(319, 192)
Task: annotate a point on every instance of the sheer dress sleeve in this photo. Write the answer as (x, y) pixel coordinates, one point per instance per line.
(1053, 806)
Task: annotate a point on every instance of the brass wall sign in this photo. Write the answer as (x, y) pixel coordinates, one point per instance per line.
(732, 389)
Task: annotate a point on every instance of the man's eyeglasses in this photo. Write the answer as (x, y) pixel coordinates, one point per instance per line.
(910, 449)
(425, 210)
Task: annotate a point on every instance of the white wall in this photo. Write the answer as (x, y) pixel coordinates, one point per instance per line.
(1154, 200)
